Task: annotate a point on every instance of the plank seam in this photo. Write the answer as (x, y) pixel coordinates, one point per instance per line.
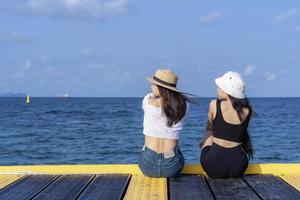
(168, 188)
(245, 181)
(15, 181)
(210, 189)
(85, 187)
(287, 183)
(126, 186)
(43, 188)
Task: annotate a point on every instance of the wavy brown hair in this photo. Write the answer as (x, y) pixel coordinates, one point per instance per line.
(173, 104)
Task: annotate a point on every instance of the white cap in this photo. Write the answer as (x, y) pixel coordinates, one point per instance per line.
(232, 83)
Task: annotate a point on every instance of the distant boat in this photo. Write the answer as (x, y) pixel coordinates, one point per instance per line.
(27, 99)
(64, 96)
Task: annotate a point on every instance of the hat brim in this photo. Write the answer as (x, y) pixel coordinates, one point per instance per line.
(151, 80)
(219, 83)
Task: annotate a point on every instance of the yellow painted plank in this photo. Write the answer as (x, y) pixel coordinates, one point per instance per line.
(293, 180)
(72, 169)
(192, 169)
(145, 188)
(8, 179)
(276, 169)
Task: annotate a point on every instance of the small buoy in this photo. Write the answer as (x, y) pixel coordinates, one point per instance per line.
(27, 99)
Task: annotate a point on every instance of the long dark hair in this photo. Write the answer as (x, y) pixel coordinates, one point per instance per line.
(173, 104)
(239, 105)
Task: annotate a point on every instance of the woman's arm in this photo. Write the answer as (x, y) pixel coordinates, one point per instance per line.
(208, 138)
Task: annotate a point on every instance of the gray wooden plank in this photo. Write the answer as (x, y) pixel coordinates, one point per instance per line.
(26, 187)
(106, 187)
(65, 187)
(231, 188)
(271, 187)
(189, 187)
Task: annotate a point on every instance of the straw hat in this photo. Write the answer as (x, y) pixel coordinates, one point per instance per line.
(232, 83)
(164, 78)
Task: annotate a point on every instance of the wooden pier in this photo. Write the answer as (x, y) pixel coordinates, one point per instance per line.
(262, 181)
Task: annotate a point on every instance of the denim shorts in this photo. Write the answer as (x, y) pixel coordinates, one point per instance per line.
(168, 164)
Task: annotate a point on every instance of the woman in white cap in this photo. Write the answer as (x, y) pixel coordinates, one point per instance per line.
(165, 110)
(226, 147)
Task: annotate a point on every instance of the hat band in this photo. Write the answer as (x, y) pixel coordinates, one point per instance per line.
(163, 82)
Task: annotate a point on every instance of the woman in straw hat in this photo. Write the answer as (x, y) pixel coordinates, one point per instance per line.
(165, 110)
(226, 147)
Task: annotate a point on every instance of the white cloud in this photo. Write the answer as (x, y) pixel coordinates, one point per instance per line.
(108, 73)
(58, 73)
(42, 81)
(49, 69)
(14, 37)
(18, 75)
(87, 52)
(54, 71)
(286, 15)
(127, 75)
(297, 28)
(27, 65)
(75, 80)
(45, 58)
(78, 8)
(97, 66)
(270, 76)
(248, 70)
(210, 17)
(282, 72)
(3, 84)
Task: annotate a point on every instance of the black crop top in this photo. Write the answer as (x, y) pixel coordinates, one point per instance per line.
(226, 131)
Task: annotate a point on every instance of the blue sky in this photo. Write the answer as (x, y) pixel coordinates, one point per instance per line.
(107, 47)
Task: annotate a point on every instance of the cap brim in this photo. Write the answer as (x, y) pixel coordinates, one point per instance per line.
(151, 80)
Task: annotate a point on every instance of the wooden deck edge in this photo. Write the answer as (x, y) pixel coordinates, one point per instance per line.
(276, 169)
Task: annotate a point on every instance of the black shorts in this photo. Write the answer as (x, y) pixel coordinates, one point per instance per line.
(221, 162)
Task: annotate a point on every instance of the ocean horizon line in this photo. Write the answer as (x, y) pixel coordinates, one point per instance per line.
(198, 97)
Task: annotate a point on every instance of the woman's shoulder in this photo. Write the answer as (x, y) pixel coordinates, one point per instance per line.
(154, 102)
(149, 101)
(248, 112)
(145, 99)
(148, 95)
(213, 104)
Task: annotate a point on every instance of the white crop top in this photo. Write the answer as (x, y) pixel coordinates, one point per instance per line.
(155, 121)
